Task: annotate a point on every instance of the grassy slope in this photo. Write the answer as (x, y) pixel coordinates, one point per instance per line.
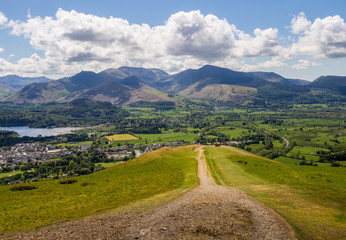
(221, 92)
(153, 173)
(311, 199)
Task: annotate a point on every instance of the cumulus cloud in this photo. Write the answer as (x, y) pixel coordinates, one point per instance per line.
(73, 41)
(265, 43)
(1, 49)
(300, 23)
(324, 38)
(3, 19)
(274, 62)
(192, 34)
(304, 64)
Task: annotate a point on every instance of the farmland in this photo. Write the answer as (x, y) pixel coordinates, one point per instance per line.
(310, 198)
(300, 175)
(121, 137)
(155, 138)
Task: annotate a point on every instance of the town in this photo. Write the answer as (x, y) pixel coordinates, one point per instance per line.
(25, 161)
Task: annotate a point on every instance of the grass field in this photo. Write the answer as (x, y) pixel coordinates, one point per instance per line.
(74, 144)
(6, 174)
(307, 152)
(121, 137)
(256, 147)
(108, 165)
(157, 172)
(159, 138)
(234, 133)
(311, 199)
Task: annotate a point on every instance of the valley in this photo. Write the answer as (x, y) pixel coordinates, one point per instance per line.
(132, 155)
(172, 120)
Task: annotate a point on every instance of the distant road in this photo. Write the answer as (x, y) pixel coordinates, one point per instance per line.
(283, 138)
(286, 141)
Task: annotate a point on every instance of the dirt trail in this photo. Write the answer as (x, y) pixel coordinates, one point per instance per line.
(207, 212)
(286, 141)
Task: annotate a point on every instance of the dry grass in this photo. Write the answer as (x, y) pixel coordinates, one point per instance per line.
(121, 137)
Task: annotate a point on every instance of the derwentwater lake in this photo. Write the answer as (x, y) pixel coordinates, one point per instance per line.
(35, 132)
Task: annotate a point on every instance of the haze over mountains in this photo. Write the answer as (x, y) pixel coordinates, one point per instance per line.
(127, 85)
(15, 82)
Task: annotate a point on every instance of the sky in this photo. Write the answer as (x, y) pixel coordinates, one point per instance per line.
(296, 39)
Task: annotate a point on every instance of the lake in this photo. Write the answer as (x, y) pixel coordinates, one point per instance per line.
(34, 132)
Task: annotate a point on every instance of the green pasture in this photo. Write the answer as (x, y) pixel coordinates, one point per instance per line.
(233, 133)
(311, 199)
(159, 138)
(234, 123)
(6, 174)
(121, 137)
(74, 144)
(310, 106)
(288, 160)
(157, 172)
(278, 144)
(256, 147)
(308, 152)
(108, 165)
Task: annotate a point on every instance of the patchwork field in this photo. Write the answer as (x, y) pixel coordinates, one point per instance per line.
(157, 172)
(9, 173)
(74, 144)
(158, 138)
(311, 199)
(121, 137)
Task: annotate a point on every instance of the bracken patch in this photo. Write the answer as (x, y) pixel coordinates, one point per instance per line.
(68, 181)
(22, 188)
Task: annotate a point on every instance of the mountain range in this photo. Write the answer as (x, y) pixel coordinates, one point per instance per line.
(12, 83)
(127, 85)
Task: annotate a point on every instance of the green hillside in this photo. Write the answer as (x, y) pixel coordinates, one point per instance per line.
(153, 173)
(310, 199)
(220, 92)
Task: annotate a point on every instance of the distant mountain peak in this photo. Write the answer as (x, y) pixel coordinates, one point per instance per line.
(125, 85)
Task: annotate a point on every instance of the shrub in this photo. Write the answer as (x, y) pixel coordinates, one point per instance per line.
(22, 188)
(334, 164)
(68, 181)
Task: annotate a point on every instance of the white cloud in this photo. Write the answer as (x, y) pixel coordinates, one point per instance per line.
(304, 64)
(1, 49)
(3, 19)
(265, 43)
(73, 41)
(203, 37)
(28, 15)
(274, 62)
(324, 38)
(300, 24)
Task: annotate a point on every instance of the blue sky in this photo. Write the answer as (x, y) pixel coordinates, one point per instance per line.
(297, 39)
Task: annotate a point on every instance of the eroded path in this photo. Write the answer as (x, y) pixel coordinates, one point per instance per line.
(207, 212)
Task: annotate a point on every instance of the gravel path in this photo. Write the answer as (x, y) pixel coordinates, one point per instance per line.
(286, 141)
(207, 212)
